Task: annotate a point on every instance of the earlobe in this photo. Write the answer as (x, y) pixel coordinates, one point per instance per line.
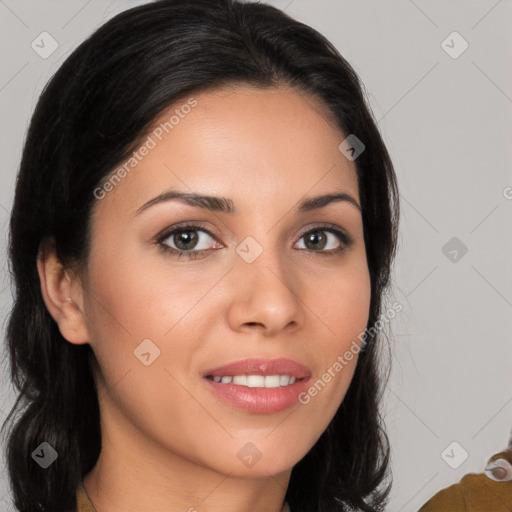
(63, 301)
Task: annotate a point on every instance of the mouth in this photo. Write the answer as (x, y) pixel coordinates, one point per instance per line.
(256, 381)
(259, 385)
(254, 367)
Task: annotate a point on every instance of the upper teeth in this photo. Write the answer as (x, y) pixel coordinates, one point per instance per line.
(257, 381)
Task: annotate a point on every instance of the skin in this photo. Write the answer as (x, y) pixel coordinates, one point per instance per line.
(168, 442)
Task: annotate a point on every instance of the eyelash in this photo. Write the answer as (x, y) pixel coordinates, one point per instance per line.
(343, 238)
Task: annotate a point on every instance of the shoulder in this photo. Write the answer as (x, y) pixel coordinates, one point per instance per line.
(83, 503)
(476, 492)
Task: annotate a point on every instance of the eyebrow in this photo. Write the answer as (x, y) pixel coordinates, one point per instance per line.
(226, 205)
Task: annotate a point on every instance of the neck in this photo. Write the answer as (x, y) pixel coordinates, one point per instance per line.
(285, 508)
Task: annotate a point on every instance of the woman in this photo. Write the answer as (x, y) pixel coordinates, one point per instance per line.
(202, 235)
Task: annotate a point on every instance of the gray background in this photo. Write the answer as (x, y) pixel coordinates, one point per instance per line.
(446, 122)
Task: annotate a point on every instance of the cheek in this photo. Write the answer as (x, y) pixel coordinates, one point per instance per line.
(136, 310)
(130, 295)
(343, 309)
(136, 307)
(124, 306)
(344, 305)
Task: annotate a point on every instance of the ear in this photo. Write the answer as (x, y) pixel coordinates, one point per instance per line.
(63, 298)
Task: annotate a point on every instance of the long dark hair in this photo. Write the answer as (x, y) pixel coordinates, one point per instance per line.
(90, 117)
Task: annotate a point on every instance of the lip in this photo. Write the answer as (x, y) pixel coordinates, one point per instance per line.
(281, 366)
(260, 400)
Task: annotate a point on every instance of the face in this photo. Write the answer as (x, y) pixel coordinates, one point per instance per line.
(166, 306)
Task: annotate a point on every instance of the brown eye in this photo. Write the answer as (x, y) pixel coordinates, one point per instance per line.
(185, 240)
(325, 240)
(190, 240)
(316, 240)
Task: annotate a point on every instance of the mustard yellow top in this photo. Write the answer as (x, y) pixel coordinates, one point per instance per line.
(477, 492)
(83, 502)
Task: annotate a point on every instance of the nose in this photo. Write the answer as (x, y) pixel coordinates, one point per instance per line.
(265, 297)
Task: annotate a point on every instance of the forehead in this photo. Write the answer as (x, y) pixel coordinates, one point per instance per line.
(275, 144)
